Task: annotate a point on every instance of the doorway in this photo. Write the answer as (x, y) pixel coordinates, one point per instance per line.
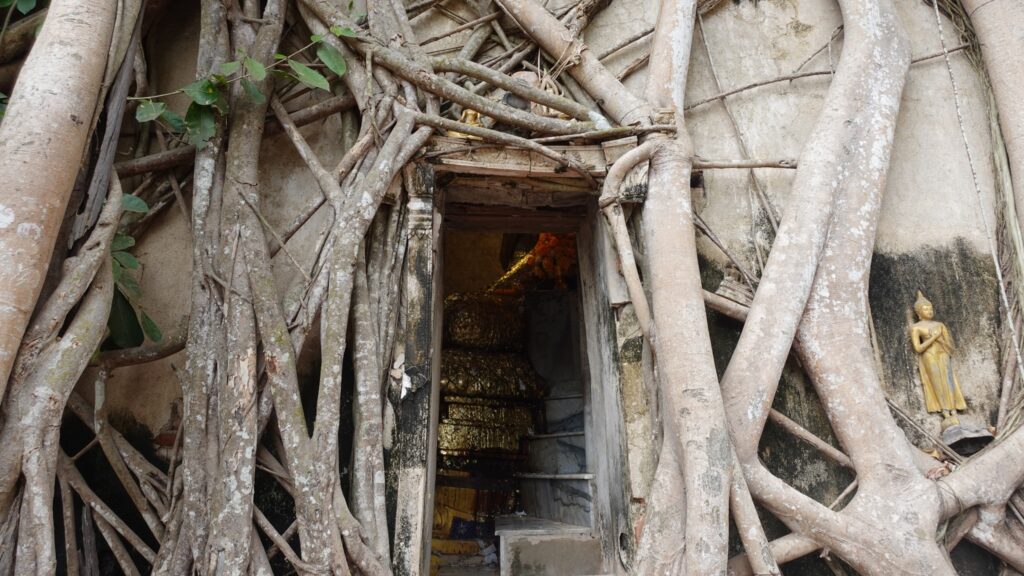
(511, 428)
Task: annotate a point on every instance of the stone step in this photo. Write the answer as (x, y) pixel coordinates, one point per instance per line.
(564, 413)
(467, 571)
(549, 476)
(550, 435)
(557, 453)
(565, 498)
(531, 546)
(563, 397)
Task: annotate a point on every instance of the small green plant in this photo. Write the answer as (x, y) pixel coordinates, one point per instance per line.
(209, 95)
(129, 324)
(3, 105)
(23, 6)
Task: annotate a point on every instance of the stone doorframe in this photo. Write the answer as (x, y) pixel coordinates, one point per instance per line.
(484, 186)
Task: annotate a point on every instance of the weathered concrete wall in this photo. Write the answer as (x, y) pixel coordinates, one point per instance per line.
(930, 235)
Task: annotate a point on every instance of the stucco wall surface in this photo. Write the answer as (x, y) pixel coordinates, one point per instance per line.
(931, 235)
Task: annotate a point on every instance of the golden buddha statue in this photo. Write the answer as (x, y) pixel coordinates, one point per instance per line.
(934, 347)
(469, 117)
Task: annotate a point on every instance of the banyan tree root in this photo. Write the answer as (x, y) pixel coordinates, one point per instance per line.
(49, 367)
(242, 408)
(796, 267)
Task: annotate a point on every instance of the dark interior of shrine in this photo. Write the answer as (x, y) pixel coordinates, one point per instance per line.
(511, 440)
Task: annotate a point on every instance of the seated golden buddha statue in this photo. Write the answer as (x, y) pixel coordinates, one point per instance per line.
(934, 346)
(469, 117)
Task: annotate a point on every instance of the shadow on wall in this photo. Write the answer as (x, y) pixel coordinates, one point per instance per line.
(961, 283)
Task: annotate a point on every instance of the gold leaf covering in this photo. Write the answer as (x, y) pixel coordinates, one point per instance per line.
(489, 374)
(484, 321)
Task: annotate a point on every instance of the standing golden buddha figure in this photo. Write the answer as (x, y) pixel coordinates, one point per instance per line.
(934, 347)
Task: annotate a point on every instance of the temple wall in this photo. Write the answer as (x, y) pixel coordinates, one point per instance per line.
(931, 234)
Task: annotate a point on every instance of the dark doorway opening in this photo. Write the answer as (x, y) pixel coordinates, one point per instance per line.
(511, 425)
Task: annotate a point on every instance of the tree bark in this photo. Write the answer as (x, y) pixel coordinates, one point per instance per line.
(999, 25)
(39, 161)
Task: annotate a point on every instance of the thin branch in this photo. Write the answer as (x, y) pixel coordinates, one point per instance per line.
(625, 44)
(114, 458)
(456, 30)
(510, 84)
(638, 63)
(609, 133)
(797, 76)
(748, 524)
(286, 535)
(807, 436)
(425, 79)
(183, 155)
(169, 345)
(103, 511)
(766, 205)
(121, 554)
(67, 506)
(282, 544)
(701, 164)
(610, 205)
(503, 138)
(280, 241)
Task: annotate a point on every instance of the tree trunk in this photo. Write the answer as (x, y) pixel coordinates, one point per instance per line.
(999, 25)
(812, 297)
(39, 160)
(30, 420)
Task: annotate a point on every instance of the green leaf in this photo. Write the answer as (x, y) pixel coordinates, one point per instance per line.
(121, 242)
(253, 92)
(255, 69)
(125, 331)
(26, 6)
(229, 68)
(279, 56)
(131, 203)
(203, 92)
(201, 124)
(6, 3)
(175, 120)
(149, 110)
(308, 76)
(151, 329)
(118, 271)
(221, 105)
(127, 260)
(332, 58)
(131, 285)
(316, 38)
(339, 32)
